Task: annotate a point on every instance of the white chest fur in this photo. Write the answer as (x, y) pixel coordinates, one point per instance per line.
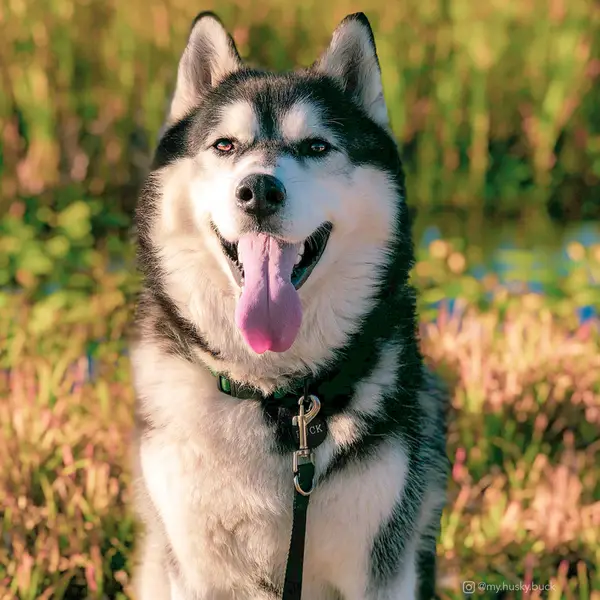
(224, 497)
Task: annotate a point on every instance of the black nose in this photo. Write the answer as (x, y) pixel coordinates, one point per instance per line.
(260, 195)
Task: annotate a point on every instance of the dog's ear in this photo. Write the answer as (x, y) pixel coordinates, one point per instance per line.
(210, 55)
(352, 59)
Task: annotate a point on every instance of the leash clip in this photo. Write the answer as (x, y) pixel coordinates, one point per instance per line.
(304, 455)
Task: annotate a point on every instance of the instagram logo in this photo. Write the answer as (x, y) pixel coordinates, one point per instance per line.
(468, 587)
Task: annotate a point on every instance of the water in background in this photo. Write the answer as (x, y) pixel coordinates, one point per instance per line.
(524, 257)
(507, 248)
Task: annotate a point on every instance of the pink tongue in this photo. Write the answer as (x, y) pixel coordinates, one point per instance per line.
(269, 312)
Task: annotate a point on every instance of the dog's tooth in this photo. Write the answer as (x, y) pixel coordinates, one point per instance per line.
(298, 259)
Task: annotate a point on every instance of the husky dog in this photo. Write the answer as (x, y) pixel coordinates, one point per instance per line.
(275, 243)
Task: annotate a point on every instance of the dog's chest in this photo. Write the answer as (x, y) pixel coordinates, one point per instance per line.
(223, 496)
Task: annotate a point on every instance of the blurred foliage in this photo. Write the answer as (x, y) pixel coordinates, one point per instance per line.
(496, 105)
(570, 286)
(525, 491)
(497, 109)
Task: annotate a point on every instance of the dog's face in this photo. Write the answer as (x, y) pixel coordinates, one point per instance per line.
(291, 181)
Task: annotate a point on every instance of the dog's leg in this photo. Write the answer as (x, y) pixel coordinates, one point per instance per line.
(151, 581)
(416, 581)
(426, 574)
(426, 550)
(318, 590)
(178, 591)
(404, 586)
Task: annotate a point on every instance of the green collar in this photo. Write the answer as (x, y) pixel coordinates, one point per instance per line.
(246, 392)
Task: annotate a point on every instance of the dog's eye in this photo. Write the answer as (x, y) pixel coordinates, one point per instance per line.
(314, 147)
(224, 146)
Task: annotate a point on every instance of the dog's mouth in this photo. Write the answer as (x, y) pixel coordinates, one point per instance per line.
(309, 254)
(270, 271)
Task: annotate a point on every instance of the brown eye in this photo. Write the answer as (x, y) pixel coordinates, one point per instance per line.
(318, 147)
(223, 145)
(314, 147)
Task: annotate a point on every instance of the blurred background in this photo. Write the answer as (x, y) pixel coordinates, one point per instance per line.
(496, 106)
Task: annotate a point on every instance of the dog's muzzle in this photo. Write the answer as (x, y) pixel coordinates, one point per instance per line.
(260, 195)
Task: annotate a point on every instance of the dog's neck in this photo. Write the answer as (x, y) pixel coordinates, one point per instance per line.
(391, 320)
(362, 302)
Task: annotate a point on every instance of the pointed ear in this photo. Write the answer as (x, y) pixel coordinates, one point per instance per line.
(352, 59)
(210, 55)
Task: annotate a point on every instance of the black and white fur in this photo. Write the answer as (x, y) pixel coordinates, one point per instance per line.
(214, 473)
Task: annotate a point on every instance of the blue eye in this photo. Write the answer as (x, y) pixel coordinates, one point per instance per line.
(224, 146)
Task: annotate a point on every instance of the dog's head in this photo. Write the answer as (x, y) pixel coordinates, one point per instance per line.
(285, 190)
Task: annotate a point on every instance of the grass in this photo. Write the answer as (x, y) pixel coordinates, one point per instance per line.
(525, 491)
(492, 102)
(496, 106)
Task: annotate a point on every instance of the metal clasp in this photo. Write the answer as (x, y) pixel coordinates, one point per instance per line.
(304, 418)
(304, 454)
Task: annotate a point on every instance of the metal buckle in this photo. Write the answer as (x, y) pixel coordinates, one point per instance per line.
(304, 455)
(299, 487)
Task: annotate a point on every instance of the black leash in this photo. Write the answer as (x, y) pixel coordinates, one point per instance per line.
(309, 433)
(292, 588)
(303, 467)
